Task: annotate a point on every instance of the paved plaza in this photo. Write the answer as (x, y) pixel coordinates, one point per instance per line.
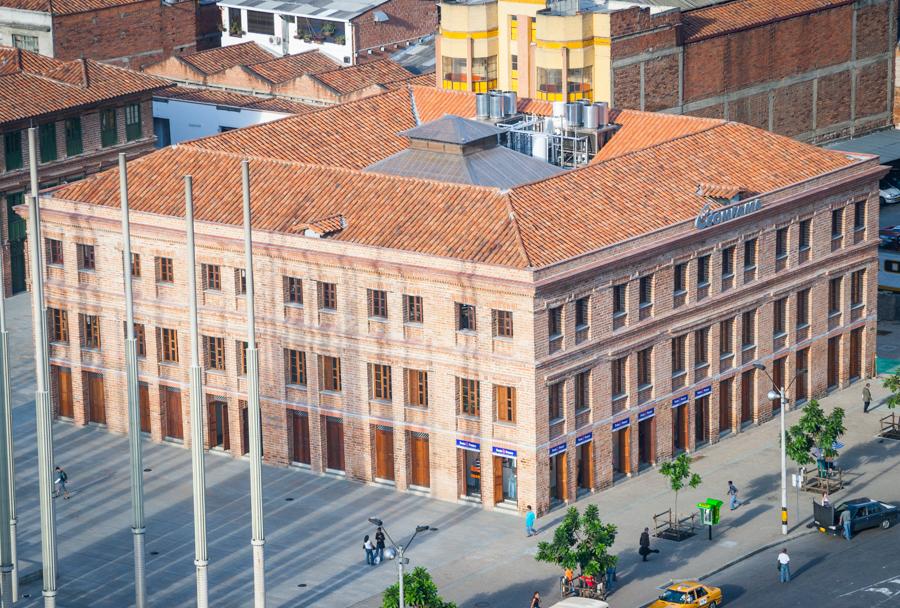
(315, 524)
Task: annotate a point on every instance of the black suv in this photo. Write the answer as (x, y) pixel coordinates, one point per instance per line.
(864, 513)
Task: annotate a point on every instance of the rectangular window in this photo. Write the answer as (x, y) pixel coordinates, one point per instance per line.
(12, 148)
(109, 134)
(505, 398)
(330, 373)
(779, 314)
(165, 270)
(235, 28)
(582, 312)
(417, 387)
(59, 325)
(859, 215)
(74, 145)
(467, 398)
(834, 296)
(678, 283)
(837, 223)
(503, 323)
(380, 382)
(703, 271)
(748, 328)
(646, 290)
(86, 259)
(140, 337)
(168, 345)
(679, 348)
(215, 352)
(582, 391)
(47, 141)
(726, 337)
(54, 252)
(413, 311)
(465, 317)
(240, 281)
(554, 400)
(327, 295)
(241, 348)
(133, 121)
(619, 307)
(750, 254)
(701, 347)
(803, 308)
(25, 42)
(90, 331)
(644, 371)
(293, 291)
(261, 23)
(296, 367)
(857, 286)
(212, 277)
(728, 262)
(619, 385)
(378, 304)
(803, 238)
(781, 243)
(135, 265)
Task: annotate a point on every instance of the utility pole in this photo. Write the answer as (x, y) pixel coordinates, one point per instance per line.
(6, 455)
(134, 415)
(197, 457)
(6, 406)
(42, 390)
(253, 414)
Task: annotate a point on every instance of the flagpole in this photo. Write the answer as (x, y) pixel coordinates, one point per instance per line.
(7, 471)
(258, 540)
(134, 416)
(5, 395)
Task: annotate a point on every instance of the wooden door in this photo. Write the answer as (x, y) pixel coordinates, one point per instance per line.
(334, 439)
(498, 479)
(171, 398)
(701, 419)
(384, 453)
(217, 424)
(96, 398)
(301, 438)
(746, 397)
(562, 477)
(420, 471)
(65, 405)
(855, 353)
(725, 387)
(778, 380)
(144, 406)
(585, 466)
(834, 353)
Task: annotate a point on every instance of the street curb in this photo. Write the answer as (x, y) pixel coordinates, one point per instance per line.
(737, 560)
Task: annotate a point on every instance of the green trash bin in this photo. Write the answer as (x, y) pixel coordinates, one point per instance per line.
(706, 513)
(716, 506)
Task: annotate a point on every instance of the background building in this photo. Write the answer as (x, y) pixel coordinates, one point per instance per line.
(86, 114)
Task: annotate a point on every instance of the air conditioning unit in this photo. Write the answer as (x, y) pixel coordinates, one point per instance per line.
(274, 40)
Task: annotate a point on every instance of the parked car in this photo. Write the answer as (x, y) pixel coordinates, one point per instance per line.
(864, 513)
(581, 602)
(689, 594)
(889, 191)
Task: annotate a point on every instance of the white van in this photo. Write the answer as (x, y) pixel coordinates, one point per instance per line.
(581, 602)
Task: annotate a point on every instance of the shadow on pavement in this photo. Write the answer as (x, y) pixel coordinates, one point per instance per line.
(521, 592)
(808, 565)
(731, 593)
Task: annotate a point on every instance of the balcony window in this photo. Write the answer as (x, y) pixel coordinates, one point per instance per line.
(484, 74)
(12, 148)
(47, 144)
(132, 121)
(578, 85)
(549, 84)
(109, 136)
(454, 71)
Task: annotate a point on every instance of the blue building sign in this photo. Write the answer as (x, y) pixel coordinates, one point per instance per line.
(584, 438)
(468, 445)
(647, 414)
(703, 392)
(557, 449)
(621, 424)
(680, 401)
(505, 452)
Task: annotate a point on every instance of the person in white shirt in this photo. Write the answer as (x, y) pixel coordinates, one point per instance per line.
(784, 568)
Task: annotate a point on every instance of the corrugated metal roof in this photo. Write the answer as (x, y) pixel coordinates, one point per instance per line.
(451, 129)
(886, 144)
(334, 9)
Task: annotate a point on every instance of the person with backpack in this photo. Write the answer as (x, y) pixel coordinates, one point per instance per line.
(60, 482)
(379, 545)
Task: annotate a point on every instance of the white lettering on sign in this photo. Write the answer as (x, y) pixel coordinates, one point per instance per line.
(712, 217)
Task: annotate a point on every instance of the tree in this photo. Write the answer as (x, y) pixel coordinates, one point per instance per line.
(580, 541)
(814, 430)
(419, 591)
(892, 383)
(678, 472)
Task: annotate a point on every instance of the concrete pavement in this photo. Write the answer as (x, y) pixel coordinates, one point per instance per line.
(315, 524)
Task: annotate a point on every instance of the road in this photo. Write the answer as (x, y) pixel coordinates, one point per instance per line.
(826, 572)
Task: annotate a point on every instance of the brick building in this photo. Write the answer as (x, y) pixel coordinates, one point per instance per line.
(499, 345)
(810, 69)
(128, 33)
(86, 113)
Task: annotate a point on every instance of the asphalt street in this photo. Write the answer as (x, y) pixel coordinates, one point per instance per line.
(826, 571)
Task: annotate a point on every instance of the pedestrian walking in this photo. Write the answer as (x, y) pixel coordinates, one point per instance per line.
(610, 578)
(370, 551)
(732, 493)
(379, 545)
(60, 483)
(784, 567)
(645, 549)
(535, 600)
(845, 523)
(529, 522)
(867, 398)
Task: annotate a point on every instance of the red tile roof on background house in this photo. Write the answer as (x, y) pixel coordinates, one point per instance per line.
(289, 67)
(32, 85)
(237, 100)
(215, 60)
(64, 7)
(353, 78)
(432, 103)
(646, 129)
(720, 19)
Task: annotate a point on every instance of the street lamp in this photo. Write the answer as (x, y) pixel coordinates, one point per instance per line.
(780, 393)
(399, 550)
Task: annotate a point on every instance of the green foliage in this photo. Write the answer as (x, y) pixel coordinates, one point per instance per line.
(419, 592)
(814, 430)
(892, 383)
(678, 472)
(580, 542)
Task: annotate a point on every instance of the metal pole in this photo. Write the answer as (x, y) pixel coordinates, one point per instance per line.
(400, 567)
(784, 511)
(134, 416)
(42, 390)
(199, 476)
(6, 563)
(258, 540)
(6, 445)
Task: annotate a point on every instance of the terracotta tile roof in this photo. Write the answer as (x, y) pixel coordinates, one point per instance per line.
(322, 226)
(33, 86)
(432, 103)
(737, 15)
(645, 129)
(64, 7)
(289, 67)
(238, 100)
(353, 78)
(215, 60)
(724, 191)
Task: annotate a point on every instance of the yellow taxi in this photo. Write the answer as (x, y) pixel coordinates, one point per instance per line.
(689, 594)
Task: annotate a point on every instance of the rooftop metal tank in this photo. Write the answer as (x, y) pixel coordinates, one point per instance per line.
(509, 106)
(591, 115)
(573, 115)
(497, 103)
(603, 109)
(482, 105)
